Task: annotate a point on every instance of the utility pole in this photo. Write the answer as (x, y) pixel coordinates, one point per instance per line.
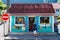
(8, 4)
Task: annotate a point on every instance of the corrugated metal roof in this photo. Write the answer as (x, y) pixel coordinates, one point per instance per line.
(31, 8)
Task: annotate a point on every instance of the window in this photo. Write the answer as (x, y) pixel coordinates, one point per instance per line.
(44, 20)
(57, 10)
(19, 23)
(19, 20)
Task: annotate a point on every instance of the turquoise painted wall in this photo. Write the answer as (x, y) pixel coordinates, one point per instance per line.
(43, 29)
(18, 30)
(37, 21)
(26, 23)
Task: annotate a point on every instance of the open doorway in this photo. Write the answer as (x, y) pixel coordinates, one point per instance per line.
(31, 22)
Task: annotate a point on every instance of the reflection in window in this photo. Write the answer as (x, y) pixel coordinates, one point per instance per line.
(44, 20)
(19, 20)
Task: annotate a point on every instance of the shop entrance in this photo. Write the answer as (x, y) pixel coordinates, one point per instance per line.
(31, 22)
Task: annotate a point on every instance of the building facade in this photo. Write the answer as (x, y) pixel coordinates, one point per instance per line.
(23, 16)
(56, 7)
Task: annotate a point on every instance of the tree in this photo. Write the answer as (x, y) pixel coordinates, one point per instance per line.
(2, 6)
(58, 19)
(59, 1)
(8, 3)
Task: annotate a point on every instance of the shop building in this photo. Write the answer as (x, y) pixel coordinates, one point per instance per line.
(23, 16)
(57, 11)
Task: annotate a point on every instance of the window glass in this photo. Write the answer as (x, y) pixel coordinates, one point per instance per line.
(19, 20)
(57, 10)
(44, 20)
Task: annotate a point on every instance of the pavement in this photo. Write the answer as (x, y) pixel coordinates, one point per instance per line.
(32, 37)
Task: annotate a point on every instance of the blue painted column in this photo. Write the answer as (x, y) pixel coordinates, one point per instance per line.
(27, 23)
(37, 19)
(51, 23)
(12, 23)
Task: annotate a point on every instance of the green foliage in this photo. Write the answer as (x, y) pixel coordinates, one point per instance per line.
(58, 16)
(0, 12)
(59, 1)
(2, 5)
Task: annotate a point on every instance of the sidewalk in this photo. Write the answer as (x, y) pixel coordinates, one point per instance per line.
(32, 37)
(25, 37)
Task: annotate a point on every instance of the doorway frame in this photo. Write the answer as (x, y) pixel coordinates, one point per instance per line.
(28, 20)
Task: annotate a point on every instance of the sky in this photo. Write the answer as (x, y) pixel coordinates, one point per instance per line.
(24, 1)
